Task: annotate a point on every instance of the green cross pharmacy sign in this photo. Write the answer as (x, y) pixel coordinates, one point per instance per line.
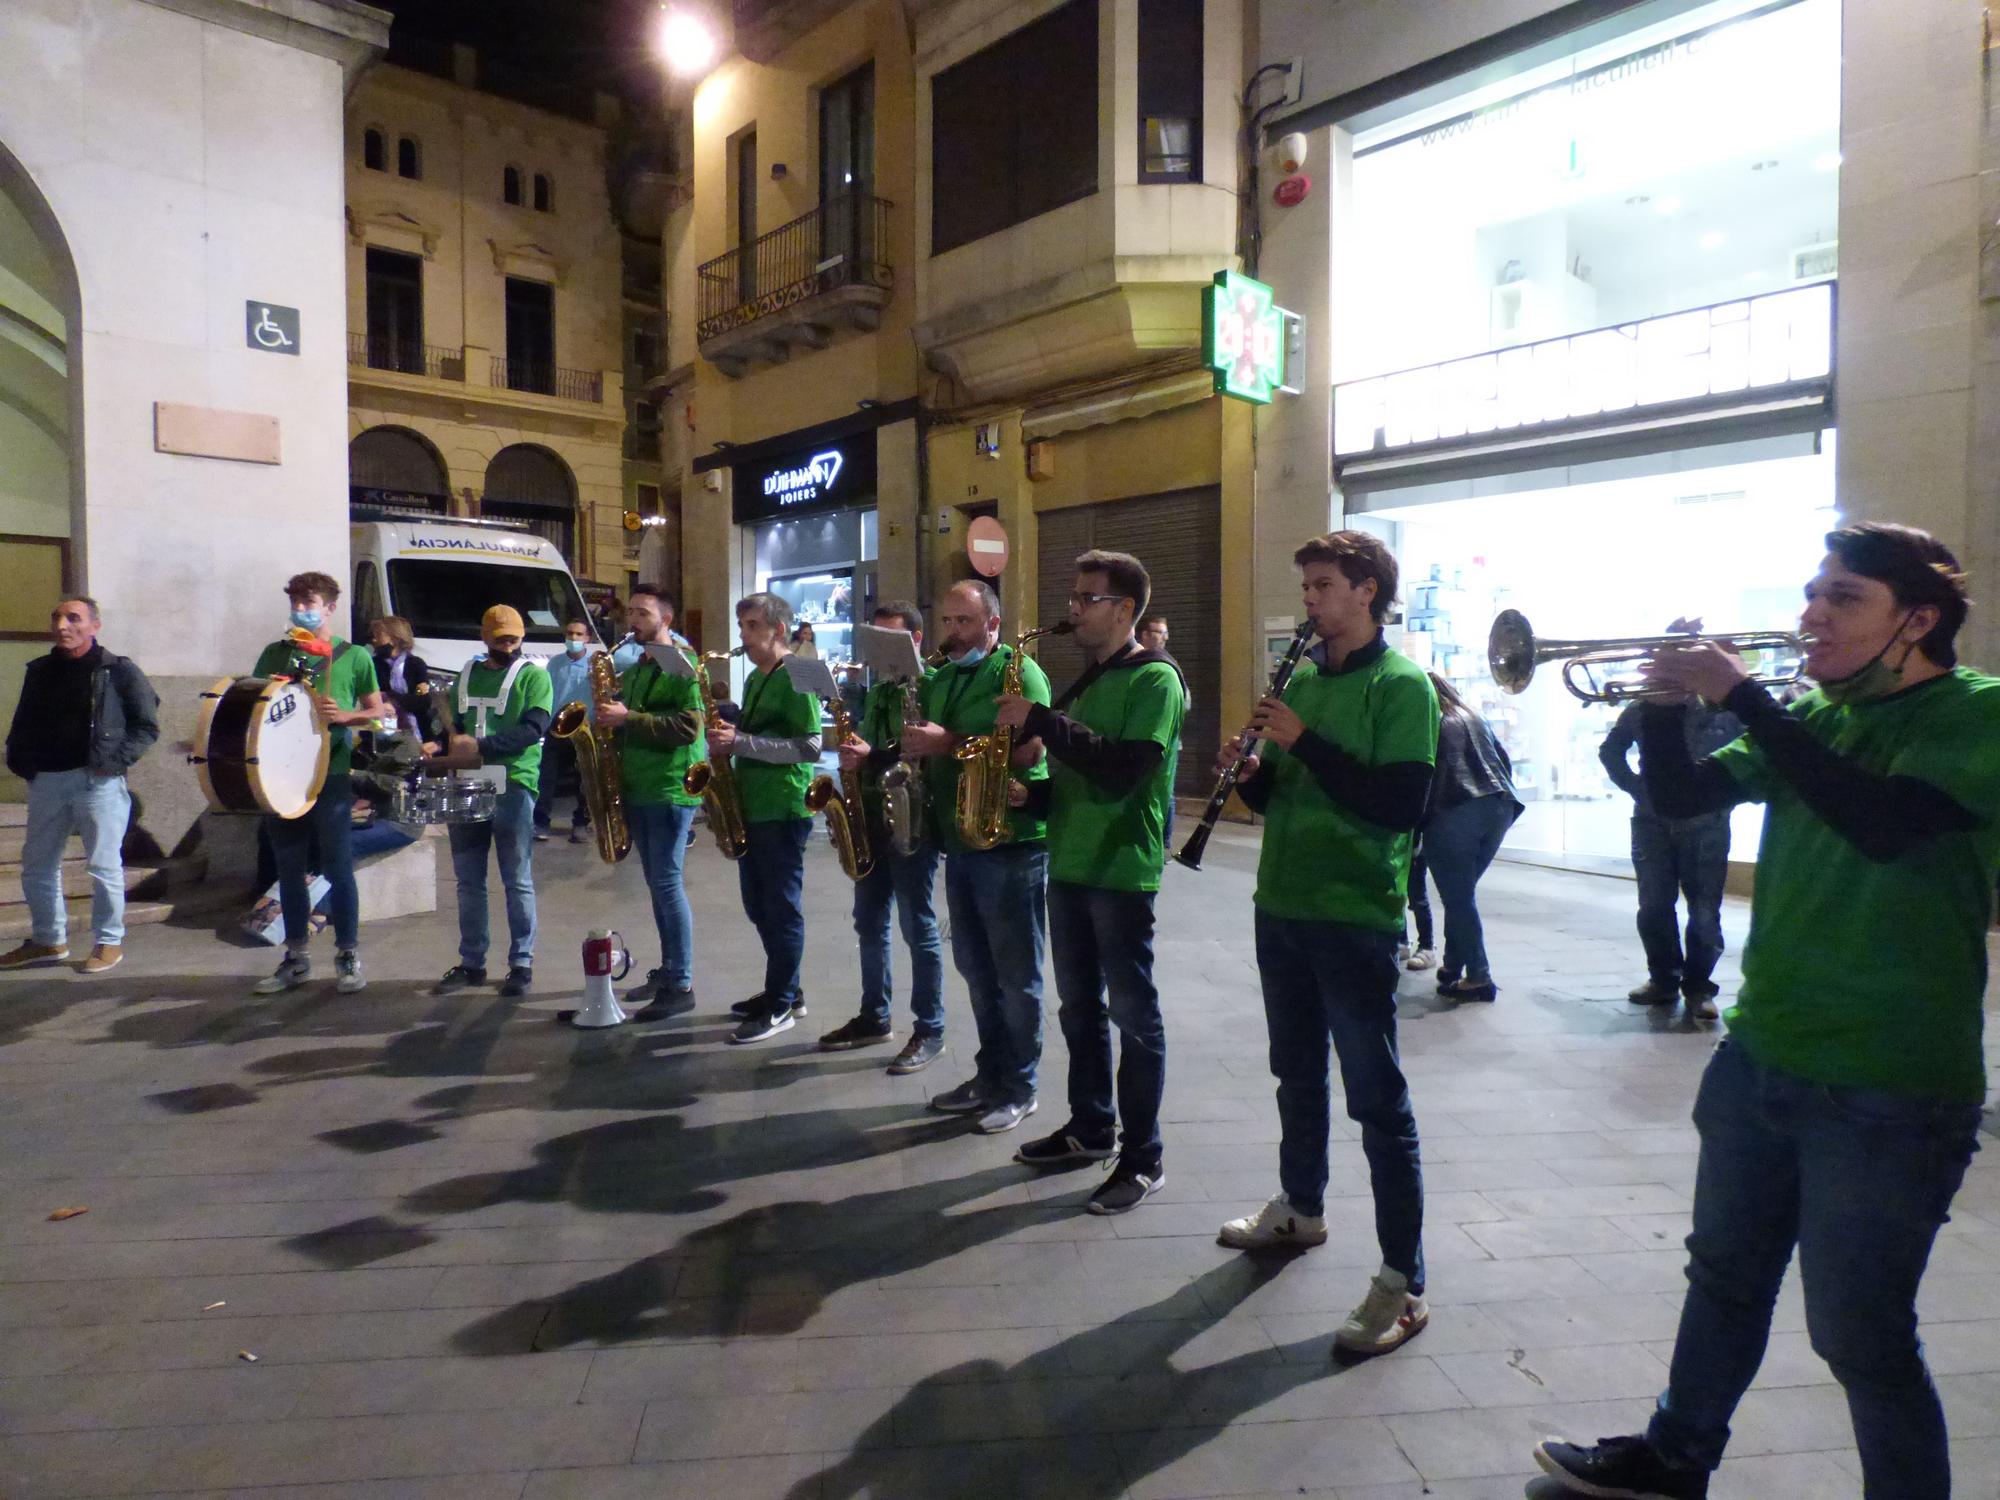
(1243, 337)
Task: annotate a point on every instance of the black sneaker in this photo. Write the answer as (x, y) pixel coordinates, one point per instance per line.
(1619, 1468)
(761, 1028)
(859, 1032)
(918, 1053)
(1126, 1188)
(666, 1002)
(1061, 1149)
(458, 977)
(520, 979)
(760, 1002)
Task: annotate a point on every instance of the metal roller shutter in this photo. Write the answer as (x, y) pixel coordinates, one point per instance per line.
(1178, 537)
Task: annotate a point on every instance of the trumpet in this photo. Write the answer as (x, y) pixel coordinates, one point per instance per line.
(1605, 671)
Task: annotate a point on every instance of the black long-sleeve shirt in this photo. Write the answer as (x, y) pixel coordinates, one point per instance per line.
(1884, 817)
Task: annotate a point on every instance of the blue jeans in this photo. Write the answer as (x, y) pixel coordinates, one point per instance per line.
(1859, 1181)
(511, 834)
(1673, 857)
(96, 809)
(560, 777)
(910, 882)
(327, 831)
(1102, 943)
(1334, 983)
(1459, 843)
(772, 876)
(659, 833)
(999, 919)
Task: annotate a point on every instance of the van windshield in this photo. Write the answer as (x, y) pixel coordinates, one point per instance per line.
(448, 599)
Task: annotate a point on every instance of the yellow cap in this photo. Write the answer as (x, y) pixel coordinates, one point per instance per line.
(502, 619)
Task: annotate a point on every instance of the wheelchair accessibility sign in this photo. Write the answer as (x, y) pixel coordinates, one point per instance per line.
(272, 328)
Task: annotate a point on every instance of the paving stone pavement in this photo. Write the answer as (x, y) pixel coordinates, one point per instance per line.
(480, 1256)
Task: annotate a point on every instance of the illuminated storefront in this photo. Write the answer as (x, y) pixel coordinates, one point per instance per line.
(1583, 355)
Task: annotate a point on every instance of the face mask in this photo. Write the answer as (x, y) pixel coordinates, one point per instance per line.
(1876, 680)
(503, 656)
(576, 648)
(306, 619)
(973, 657)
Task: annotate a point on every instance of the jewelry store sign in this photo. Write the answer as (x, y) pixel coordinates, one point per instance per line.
(827, 476)
(1722, 354)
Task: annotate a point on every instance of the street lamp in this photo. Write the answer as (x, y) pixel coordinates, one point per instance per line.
(685, 42)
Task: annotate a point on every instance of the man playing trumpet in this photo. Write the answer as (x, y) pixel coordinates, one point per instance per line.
(1839, 1114)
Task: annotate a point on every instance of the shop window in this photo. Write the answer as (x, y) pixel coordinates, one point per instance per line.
(1170, 61)
(409, 158)
(545, 194)
(510, 186)
(1014, 128)
(374, 150)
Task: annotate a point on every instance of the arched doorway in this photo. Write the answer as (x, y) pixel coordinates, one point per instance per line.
(41, 455)
(394, 467)
(526, 483)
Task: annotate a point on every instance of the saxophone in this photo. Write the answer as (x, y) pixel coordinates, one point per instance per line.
(986, 760)
(598, 761)
(714, 781)
(905, 800)
(846, 817)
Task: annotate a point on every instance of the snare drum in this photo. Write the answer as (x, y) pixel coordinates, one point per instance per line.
(470, 800)
(260, 747)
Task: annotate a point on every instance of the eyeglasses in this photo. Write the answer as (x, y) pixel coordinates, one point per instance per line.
(1084, 601)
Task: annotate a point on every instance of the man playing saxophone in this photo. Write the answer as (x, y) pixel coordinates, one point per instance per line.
(1113, 742)
(995, 895)
(908, 880)
(773, 745)
(657, 720)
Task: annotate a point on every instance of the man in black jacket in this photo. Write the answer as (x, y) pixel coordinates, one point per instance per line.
(85, 717)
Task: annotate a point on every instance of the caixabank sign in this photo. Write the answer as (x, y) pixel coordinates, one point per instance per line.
(827, 476)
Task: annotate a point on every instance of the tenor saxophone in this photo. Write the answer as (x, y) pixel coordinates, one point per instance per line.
(986, 760)
(846, 816)
(905, 799)
(714, 781)
(598, 761)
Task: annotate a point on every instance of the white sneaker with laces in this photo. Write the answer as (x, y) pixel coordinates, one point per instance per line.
(1387, 1316)
(1277, 1223)
(347, 971)
(1423, 958)
(1004, 1117)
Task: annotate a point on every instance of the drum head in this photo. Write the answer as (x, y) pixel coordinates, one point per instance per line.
(288, 749)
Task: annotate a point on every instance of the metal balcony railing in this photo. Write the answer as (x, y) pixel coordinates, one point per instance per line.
(843, 242)
(548, 380)
(405, 358)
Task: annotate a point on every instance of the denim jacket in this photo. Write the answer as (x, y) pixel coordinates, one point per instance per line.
(124, 716)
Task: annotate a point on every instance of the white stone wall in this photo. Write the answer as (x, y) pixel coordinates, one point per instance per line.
(191, 167)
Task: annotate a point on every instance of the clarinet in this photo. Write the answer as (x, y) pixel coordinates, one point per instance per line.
(1225, 784)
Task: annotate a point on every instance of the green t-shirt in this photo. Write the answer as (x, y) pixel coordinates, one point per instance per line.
(771, 705)
(881, 724)
(654, 774)
(961, 699)
(1321, 862)
(1117, 841)
(350, 679)
(532, 689)
(1869, 974)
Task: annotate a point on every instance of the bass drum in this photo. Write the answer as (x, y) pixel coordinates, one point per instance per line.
(260, 748)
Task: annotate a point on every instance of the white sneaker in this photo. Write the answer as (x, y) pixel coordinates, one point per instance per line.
(347, 969)
(1423, 958)
(1387, 1316)
(1003, 1117)
(294, 969)
(1276, 1223)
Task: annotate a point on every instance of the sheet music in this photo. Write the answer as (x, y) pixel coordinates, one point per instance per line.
(669, 659)
(891, 654)
(810, 675)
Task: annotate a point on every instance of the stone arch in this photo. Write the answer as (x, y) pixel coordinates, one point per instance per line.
(397, 466)
(527, 482)
(41, 406)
